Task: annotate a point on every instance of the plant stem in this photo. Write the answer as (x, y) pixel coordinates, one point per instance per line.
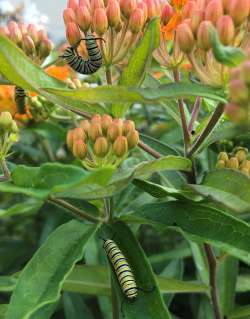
(109, 75)
(73, 209)
(195, 113)
(5, 170)
(114, 299)
(212, 263)
(208, 129)
(149, 150)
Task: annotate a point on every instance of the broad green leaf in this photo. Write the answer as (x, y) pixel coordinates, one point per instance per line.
(134, 73)
(200, 260)
(7, 283)
(243, 283)
(222, 186)
(242, 312)
(3, 310)
(74, 307)
(159, 146)
(200, 223)
(147, 304)
(41, 280)
(28, 207)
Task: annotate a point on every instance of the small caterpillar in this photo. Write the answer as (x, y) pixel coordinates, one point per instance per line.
(20, 99)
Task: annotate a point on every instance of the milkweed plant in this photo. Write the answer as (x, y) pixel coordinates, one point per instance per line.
(124, 161)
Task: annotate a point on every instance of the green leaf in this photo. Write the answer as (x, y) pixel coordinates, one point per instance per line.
(243, 283)
(28, 207)
(222, 186)
(199, 223)
(159, 146)
(7, 283)
(148, 304)
(41, 280)
(3, 310)
(242, 312)
(75, 307)
(134, 73)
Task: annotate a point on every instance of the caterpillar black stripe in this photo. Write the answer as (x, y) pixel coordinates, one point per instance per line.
(77, 63)
(20, 99)
(122, 269)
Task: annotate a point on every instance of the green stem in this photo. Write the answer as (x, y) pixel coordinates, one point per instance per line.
(5, 170)
(73, 209)
(109, 75)
(115, 303)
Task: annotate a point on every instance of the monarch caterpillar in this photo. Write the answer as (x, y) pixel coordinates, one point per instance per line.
(20, 97)
(77, 63)
(122, 269)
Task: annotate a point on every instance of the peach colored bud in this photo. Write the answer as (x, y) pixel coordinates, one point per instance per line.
(226, 5)
(5, 31)
(239, 10)
(225, 28)
(33, 33)
(136, 21)
(15, 33)
(95, 4)
(203, 35)
(113, 13)
(128, 126)
(220, 164)
(45, 48)
(245, 171)
(214, 11)
(238, 91)
(245, 164)
(105, 122)
(96, 118)
(79, 149)
(245, 71)
(70, 139)
(42, 35)
(152, 10)
(127, 7)
(196, 19)
(167, 13)
(69, 15)
(83, 18)
(101, 147)
(235, 113)
(241, 155)
(185, 38)
(133, 139)
(73, 33)
(144, 8)
(158, 6)
(223, 156)
(28, 45)
(85, 125)
(23, 28)
(120, 147)
(72, 4)
(79, 134)
(94, 131)
(188, 9)
(114, 131)
(201, 4)
(233, 163)
(84, 3)
(100, 21)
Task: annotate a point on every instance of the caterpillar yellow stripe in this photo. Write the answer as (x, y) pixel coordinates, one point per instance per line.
(122, 269)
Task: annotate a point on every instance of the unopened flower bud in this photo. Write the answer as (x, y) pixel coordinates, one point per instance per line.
(45, 48)
(85, 125)
(245, 71)
(133, 139)
(28, 45)
(203, 35)
(5, 31)
(14, 127)
(101, 147)
(79, 134)
(106, 121)
(196, 19)
(23, 28)
(136, 21)
(245, 164)
(188, 9)
(15, 33)
(144, 8)
(42, 35)
(113, 13)
(238, 91)
(95, 4)
(235, 113)
(83, 18)
(96, 118)
(5, 120)
(73, 33)
(94, 131)
(220, 164)
(225, 28)
(84, 3)
(114, 131)
(120, 147)
(33, 33)
(69, 15)
(100, 21)
(127, 7)
(214, 11)
(72, 4)
(245, 171)
(128, 126)
(226, 5)
(70, 139)
(233, 163)
(241, 155)
(79, 149)
(185, 38)
(152, 11)
(223, 156)
(239, 10)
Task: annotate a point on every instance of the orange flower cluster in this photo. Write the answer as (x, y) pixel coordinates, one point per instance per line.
(102, 141)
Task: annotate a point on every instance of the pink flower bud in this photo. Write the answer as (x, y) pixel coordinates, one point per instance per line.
(226, 5)
(196, 19)
(83, 18)
(185, 38)
(79, 134)
(120, 147)
(239, 10)
(5, 31)
(96, 118)
(225, 28)
(144, 8)
(45, 48)
(105, 122)
(23, 28)
(238, 91)
(201, 4)
(28, 45)
(203, 35)
(33, 33)
(72, 4)
(113, 13)
(235, 113)
(85, 125)
(133, 139)
(128, 126)
(188, 9)
(70, 139)
(167, 13)
(95, 4)
(73, 33)
(152, 10)
(158, 6)
(94, 131)
(127, 7)
(69, 15)
(136, 21)
(15, 33)
(214, 11)
(84, 3)
(42, 35)
(100, 21)
(101, 147)
(79, 149)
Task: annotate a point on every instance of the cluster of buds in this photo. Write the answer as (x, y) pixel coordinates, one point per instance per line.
(32, 40)
(236, 160)
(8, 133)
(228, 18)
(118, 23)
(238, 110)
(39, 108)
(102, 141)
